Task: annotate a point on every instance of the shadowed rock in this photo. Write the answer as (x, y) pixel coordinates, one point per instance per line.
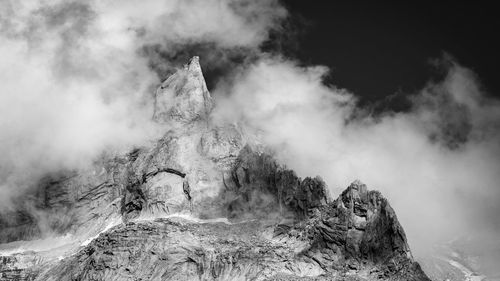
(260, 185)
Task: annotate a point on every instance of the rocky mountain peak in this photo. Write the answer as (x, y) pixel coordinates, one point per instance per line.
(200, 204)
(194, 65)
(372, 214)
(183, 97)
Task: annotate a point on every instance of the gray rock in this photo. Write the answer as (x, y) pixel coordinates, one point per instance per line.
(321, 246)
(259, 184)
(184, 96)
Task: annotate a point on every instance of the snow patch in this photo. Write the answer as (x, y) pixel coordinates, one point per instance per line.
(469, 274)
(113, 222)
(185, 216)
(191, 218)
(38, 245)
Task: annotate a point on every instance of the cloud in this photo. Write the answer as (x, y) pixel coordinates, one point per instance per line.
(438, 163)
(75, 81)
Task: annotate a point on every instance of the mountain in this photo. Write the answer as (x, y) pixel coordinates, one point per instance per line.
(204, 202)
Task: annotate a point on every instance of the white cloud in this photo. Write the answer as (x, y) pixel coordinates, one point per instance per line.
(73, 81)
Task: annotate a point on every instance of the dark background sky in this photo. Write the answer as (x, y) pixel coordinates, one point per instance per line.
(377, 49)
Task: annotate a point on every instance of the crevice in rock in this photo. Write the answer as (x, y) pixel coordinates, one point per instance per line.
(134, 200)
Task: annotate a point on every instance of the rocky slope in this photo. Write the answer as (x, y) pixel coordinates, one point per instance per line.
(204, 202)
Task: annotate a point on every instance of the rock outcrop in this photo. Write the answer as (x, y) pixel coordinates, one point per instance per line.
(183, 97)
(201, 203)
(332, 243)
(257, 184)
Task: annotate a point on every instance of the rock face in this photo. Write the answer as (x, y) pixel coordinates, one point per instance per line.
(201, 203)
(184, 96)
(259, 185)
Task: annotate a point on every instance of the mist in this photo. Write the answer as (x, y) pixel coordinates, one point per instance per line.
(75, 81)
(438, 164)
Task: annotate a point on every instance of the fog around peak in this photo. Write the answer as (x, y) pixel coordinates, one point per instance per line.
(76, 82)
(438, 163)
(77, 79)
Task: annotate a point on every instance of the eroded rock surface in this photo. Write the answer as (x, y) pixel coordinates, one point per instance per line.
(330, 244)
(257, 184)
(184, 96)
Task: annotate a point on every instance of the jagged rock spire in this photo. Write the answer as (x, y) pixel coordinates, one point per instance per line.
(194, 65)
(183, 97)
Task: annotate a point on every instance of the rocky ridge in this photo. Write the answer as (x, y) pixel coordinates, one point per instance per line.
(203, 202)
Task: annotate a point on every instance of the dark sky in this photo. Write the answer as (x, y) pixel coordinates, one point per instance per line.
(377, 49)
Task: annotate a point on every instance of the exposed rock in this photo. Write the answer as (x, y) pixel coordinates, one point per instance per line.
(17, 224)
(260, 184)
(66, 202)
(359, 227)
(184, 96)
(18, 267)
(319, 247)
(221, 144)
(182, 250)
